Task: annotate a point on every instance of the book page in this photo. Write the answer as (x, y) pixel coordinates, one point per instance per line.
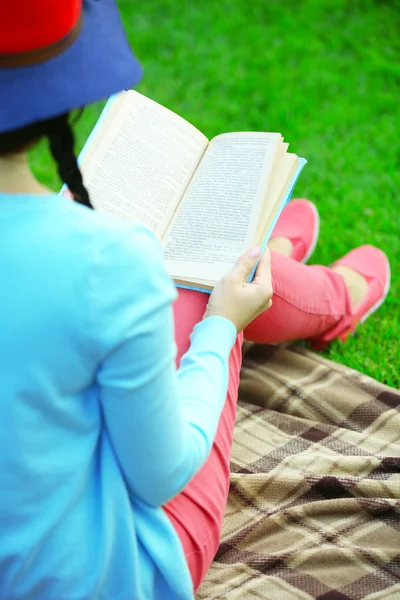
(141, 161)
(218, 215)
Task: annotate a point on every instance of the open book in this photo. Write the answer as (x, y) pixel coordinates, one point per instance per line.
(206, 201)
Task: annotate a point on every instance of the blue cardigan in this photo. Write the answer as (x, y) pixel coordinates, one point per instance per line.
(97, 428)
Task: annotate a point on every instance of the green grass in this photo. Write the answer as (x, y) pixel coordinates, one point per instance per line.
(326, 74)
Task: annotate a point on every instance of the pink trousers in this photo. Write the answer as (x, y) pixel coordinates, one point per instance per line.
(307, 301)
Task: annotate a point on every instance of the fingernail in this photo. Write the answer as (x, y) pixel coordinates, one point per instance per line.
(255, 252)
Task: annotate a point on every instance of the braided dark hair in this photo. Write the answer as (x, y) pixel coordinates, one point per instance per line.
(61, 142)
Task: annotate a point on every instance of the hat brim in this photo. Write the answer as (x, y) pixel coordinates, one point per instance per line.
(98, 64)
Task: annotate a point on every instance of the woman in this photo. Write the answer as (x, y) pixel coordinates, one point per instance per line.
(114, 466)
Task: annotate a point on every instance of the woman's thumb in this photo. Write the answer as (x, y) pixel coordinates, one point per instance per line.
(246, 264)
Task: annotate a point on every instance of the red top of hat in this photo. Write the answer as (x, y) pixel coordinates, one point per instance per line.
(29, 25)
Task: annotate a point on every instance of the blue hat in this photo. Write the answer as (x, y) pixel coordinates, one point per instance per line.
(89, 62)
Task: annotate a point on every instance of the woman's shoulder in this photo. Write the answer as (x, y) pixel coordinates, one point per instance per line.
(124, 266)
(101, 223)
(120, 248)
(103, 233)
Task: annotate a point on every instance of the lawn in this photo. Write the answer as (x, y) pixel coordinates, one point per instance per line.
(326, 74)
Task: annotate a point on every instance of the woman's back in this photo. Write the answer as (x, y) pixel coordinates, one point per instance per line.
(65, 513)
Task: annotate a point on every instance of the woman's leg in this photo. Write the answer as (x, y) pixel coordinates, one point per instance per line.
(307, 300)
(197, 512)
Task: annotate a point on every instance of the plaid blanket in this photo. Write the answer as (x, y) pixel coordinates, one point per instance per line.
(314, 505)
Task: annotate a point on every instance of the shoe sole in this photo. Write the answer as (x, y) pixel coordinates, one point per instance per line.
(381, 300)
(315, 237)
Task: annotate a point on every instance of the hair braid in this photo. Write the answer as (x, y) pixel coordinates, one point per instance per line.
(61, 141)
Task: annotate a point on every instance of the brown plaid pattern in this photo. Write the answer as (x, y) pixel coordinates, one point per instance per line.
(314, 506)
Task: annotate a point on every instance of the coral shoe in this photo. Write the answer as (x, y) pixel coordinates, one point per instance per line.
(373, 265)
(299, 222)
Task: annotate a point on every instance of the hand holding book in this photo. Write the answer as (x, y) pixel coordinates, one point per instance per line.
(236, 299)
